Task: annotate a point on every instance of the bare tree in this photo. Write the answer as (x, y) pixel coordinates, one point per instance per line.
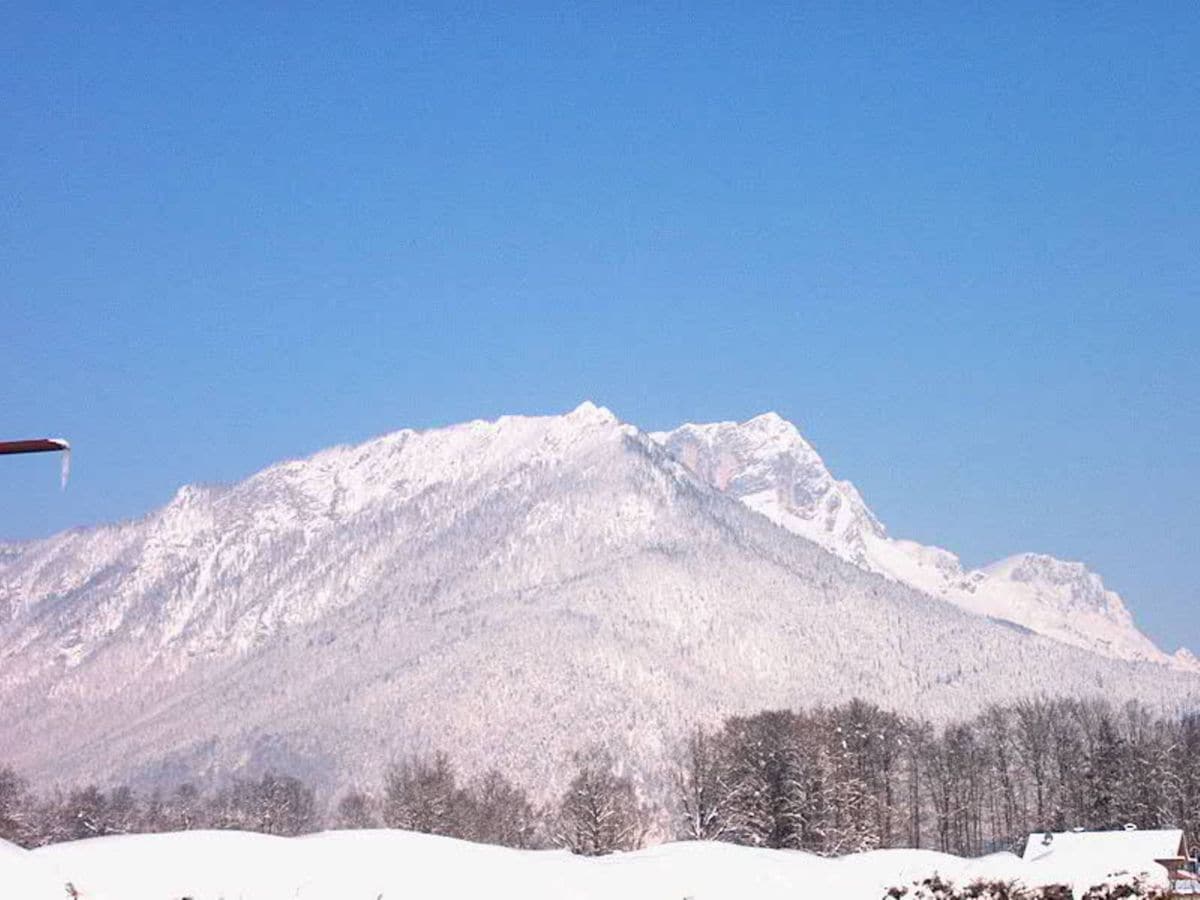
(184, 809)
(17, 814)
(283, 804)
(84, 813)
(275, 804)
(123, 815)
(599, 813)
(1006, 822)
(498, 812)
(776, 780)
(423, 795)
(1034, 731)
(706, 810)
(356, 810)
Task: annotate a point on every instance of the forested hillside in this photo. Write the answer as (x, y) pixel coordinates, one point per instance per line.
(831, 781)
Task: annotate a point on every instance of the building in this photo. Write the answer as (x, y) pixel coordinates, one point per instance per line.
(1126, 850)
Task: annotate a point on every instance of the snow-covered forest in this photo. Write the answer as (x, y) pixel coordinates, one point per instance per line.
(831, 781)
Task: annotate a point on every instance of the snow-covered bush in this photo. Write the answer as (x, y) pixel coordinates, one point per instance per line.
(938, 888)
(1122, 887)
(1126, 887)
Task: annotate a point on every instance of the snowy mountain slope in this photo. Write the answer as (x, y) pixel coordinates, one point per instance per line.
(509, 591)
(769, 466)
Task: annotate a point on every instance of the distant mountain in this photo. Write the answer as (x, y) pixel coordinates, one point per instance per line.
(509, 591)
(770, 467)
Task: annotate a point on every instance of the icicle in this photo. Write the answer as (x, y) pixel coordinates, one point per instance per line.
(42, 445)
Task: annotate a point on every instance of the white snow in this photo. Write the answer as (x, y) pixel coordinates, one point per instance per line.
(369, 865)
(26, 876)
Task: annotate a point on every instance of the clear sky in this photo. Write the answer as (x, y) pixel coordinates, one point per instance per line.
(956, 243)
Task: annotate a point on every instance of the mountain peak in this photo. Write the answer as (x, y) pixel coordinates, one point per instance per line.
(1072, 584)
(770, 421)
(1185, 659)
(1030, 565)
(762, 436)
(590, 413)
(767, 464)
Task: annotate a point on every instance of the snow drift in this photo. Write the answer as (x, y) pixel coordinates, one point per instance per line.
(368, 865)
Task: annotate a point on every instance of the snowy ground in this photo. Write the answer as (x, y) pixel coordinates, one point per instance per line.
(369, 865)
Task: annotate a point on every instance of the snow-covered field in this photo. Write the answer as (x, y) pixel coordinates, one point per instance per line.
(349, 865)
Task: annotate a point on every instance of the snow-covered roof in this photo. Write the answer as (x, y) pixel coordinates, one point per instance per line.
(1135, 850)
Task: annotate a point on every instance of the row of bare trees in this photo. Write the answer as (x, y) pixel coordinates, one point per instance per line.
(272, 804)
(599, 812)
(856, 777)
(832, 781)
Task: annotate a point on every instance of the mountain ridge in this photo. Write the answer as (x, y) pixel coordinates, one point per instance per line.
(768, 464)
(510, 591)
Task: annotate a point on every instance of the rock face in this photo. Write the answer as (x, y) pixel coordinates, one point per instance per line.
(509, 591)
(770, 467)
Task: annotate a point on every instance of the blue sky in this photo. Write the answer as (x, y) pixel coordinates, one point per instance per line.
(956, 244)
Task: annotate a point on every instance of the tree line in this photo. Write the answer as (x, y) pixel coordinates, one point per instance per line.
(831, 781)
(856, 777)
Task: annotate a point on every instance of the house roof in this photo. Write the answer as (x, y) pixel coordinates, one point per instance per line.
(1134, 850)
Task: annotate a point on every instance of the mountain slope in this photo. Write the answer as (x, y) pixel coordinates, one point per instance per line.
(770, 467)
(509, 591)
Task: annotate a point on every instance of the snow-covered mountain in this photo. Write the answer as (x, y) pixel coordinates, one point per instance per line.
(769, 466)
(510, 591)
